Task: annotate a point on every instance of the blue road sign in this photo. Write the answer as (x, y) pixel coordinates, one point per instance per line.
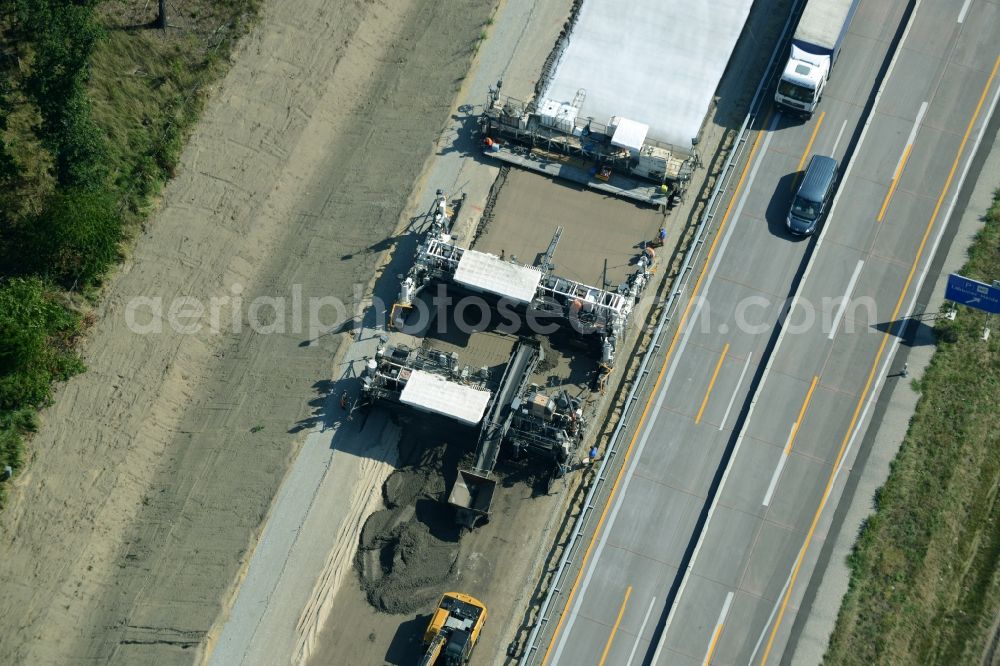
(975, 294)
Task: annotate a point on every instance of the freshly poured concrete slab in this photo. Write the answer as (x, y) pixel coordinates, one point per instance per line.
(656, 62)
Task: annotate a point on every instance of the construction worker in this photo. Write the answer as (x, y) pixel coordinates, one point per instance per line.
(662, 235)
(593, 454)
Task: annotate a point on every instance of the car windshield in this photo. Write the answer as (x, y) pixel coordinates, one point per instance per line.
(805, 209)
(795, 91)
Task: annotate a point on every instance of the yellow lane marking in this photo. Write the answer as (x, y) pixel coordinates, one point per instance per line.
(802, 412)
(805, 153)
(769, 495)
(874, 368)
(895, 182)
(711, 383)
(659, 379)
(711, 646)
(718, 629)
(614, 629)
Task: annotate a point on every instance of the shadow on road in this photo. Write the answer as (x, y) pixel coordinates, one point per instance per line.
(912, 331)
(407, 644)
(777, 207)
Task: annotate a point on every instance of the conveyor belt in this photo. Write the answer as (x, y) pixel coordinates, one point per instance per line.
(515, 378)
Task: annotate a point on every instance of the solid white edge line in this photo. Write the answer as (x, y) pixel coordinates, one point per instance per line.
(895, 343)
(638, 636)
(847, 296)
(965, 8)
(732, 399)
(659, 401)
(722, 618)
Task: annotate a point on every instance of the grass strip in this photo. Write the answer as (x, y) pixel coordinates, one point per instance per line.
(925, 571)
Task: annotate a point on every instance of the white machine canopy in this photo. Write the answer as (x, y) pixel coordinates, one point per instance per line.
(630, 135)
(491, 274)
(433, 393)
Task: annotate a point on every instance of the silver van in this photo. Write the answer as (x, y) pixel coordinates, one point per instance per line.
(813, 195)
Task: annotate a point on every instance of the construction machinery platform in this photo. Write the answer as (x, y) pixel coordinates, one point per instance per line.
(578, 171)
(616, 158)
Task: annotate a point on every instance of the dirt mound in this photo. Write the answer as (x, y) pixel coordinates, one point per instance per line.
(407, 552)
(404, 486)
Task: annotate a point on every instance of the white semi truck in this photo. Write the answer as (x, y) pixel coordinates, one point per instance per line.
(815, 46)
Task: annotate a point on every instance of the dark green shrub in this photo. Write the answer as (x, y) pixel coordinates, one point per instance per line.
(75, 238)
(36, 332)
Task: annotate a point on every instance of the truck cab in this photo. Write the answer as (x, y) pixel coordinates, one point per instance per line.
(815, 45)
(801, 84)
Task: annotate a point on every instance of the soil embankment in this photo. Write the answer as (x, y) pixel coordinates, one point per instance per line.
(154, 470)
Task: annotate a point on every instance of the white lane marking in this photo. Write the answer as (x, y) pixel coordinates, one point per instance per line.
(909, 139)
(739, 383)
(913, 132)
(843, 126)
(847, 296)
(638, 636)
(767, 368)
(713, 639)
(882, 372)
(770, 618)
(916, 123)
(781, 465)
(965, 8)
(637, 454)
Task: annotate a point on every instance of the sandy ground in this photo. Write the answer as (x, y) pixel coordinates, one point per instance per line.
(154, 471)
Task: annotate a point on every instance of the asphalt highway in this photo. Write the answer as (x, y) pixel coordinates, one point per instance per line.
(711, 532)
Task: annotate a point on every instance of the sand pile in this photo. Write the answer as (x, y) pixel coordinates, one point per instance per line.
(407, 552)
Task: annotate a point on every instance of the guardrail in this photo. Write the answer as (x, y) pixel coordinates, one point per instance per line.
(690, 260)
